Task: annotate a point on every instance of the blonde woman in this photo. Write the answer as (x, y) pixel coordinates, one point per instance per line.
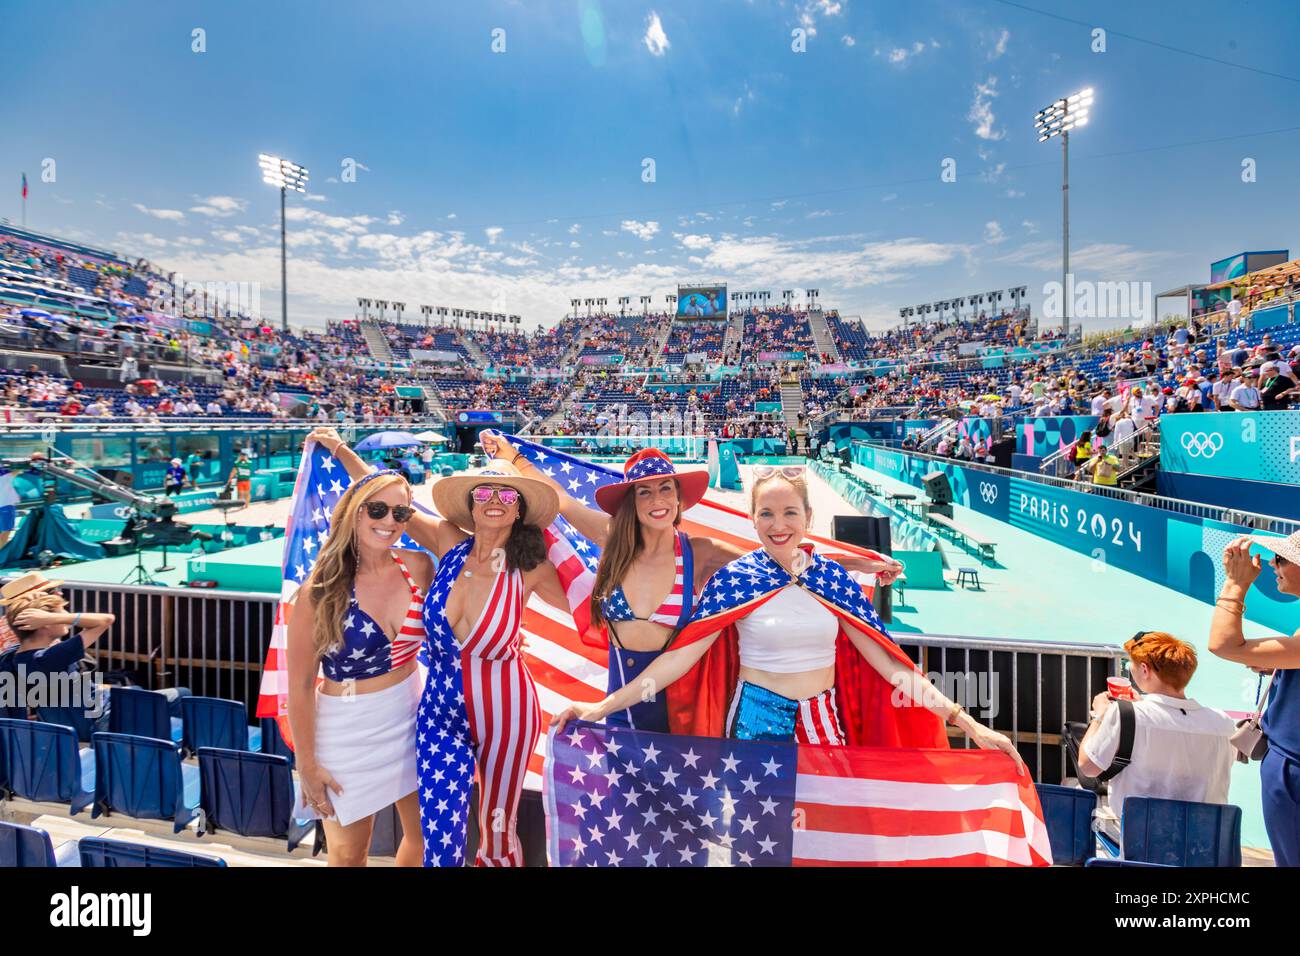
(357, 621)
(480, 714)
(805, 658)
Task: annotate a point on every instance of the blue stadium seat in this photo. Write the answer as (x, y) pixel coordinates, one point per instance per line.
(1068, 814)
(143, 777)
(250, 794)
(1181, 833)
(30, 847)
(141, 713)
(213, 722)
(41, 763)
(74, 717)
(99, 852)
(273, 741)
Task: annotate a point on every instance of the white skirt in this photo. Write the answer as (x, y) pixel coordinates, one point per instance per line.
(367, 742)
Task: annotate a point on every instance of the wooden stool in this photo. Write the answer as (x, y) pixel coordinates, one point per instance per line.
(969, 574)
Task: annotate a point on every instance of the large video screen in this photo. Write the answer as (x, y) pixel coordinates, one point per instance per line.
(702, 302)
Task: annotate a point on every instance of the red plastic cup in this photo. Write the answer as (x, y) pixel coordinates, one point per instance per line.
(1120, 688)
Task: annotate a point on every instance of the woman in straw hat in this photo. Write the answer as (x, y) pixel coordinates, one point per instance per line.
(480, 705)
(650, 571)
(1280, 769)
(357, 622)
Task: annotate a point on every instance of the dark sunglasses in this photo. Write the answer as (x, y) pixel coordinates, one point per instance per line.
(1278, 561)
(1136, 640)
(378, 510)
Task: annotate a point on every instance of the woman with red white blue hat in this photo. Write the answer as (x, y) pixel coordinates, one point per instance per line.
(650, 571)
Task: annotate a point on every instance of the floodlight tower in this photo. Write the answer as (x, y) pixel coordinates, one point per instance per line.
(1058, 119)
(286, 175)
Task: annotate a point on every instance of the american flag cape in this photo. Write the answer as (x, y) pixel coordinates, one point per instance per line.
(868, 704)
(320, 483)
(620, 797)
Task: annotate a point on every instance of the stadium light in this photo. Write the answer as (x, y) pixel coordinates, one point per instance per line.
(1069, 112)
(284, 175)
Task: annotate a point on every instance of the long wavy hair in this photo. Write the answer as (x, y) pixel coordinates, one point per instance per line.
(622, 546)
(335, 574)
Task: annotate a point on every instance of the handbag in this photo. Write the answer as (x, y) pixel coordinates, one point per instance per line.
(1074, 731)
(1249, 738)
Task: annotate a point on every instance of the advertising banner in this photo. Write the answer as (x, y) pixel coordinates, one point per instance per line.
(781, 356)
(609, 358)
(1254, 446)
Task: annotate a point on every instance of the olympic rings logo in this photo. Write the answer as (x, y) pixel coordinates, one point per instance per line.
(989, 492)
(1202, 444)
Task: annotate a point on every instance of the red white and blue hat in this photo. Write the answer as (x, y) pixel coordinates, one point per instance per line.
(650, 464)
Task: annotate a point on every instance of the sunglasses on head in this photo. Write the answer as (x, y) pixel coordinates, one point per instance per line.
(785, 471)
(483, 494)
(378, 510)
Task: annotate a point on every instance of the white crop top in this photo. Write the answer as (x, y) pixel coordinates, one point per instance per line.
(791, 633)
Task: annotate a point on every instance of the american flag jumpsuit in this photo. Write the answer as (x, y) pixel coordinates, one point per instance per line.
(480, 709)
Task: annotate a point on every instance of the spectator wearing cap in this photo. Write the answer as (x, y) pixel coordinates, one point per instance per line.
(1280, 769)
(38, 615)
(1181, 750)
(1245, 396)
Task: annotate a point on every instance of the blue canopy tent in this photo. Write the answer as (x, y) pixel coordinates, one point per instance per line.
(383, 440)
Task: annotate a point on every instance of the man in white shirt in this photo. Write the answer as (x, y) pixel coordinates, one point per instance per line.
(1181, 750)
(1227, 381)
(214, 408)
(1245, 397)
(1234, 310)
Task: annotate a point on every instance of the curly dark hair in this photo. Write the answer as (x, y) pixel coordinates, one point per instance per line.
(526, 547)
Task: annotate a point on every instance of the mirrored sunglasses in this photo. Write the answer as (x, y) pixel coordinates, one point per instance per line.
(483, 494)
(786, 471)
(378, 510)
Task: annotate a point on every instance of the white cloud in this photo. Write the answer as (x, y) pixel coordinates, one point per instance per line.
(451, 215)
(575, 229)
(314, 197)
(170, 215)
(493, 233)
(1000, 44)
(1029, 226)
(993, 232)
(219, 206)
(1014, 193)
(819, 214)
(656, 41)
(981, 110)
(811, 9)
(848, 40)
(396, 217)
(901, 54)
(693, 241)
(642, 230)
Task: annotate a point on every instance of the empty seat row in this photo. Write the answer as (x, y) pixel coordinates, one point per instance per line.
(28, 846)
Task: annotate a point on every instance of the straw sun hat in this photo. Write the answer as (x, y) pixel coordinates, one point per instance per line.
(451, 495)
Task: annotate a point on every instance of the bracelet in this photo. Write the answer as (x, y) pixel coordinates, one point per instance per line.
(955, 714)
(518, 455)
(75, 618)
(1231, 606)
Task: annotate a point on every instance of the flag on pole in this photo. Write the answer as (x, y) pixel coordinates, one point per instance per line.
(619, 797)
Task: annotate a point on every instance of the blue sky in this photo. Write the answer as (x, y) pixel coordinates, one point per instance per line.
(513, 181)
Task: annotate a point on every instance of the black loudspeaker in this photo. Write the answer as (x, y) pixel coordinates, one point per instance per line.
(937, 487)
(868, 532)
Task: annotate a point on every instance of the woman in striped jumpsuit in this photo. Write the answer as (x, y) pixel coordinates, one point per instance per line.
(479, 713)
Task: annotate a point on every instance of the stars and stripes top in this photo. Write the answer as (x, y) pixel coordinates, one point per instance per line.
(616, 608)
(366, 651)
(495, 635)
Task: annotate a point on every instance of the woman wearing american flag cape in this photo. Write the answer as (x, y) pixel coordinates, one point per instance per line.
(479, 715)
(784, 646)
(650, 571)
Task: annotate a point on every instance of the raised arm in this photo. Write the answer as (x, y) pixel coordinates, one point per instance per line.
(591, 523)
(544, 580)
(913, 685)
(663, 671)
(429, 531)
(1241, 568)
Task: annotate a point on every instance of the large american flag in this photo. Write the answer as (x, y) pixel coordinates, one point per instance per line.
(565, 667)
(618, 797)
